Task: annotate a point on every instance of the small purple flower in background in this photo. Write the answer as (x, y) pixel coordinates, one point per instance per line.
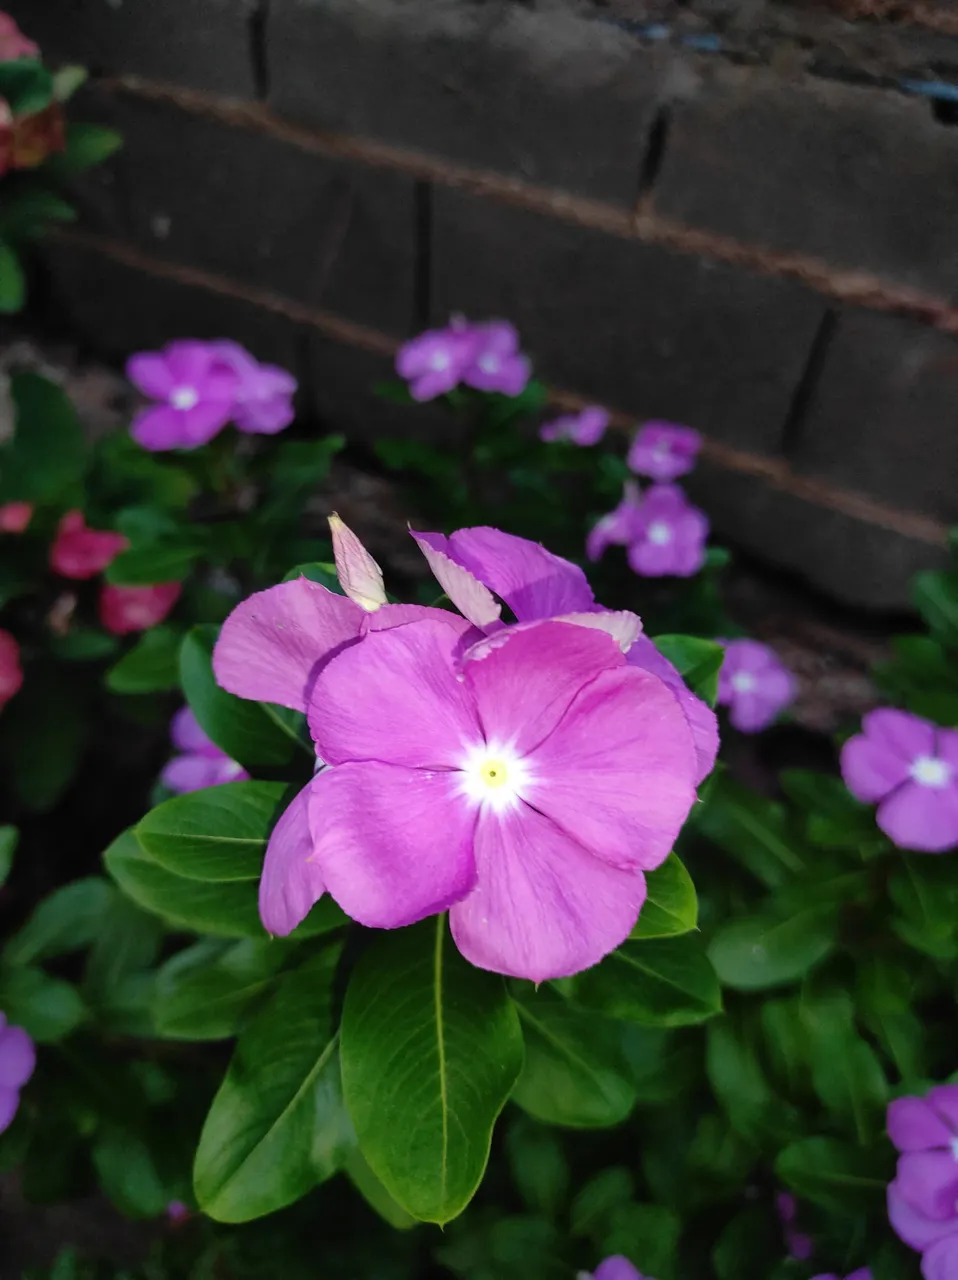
(195, 391)
(263, 397)
(177, 1213)
(201, 763)
(619, 527)
(922, 1199)
(754, 684)
(663, 451)
(497, 363)
(670, 534)
(18, 1058)
(798, 1243)
(585, 428)
(614, 1268)
(434, 362)
(909, 767)
(863, 1273)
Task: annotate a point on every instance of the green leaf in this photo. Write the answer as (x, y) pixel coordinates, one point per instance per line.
(594, 1206)
(277, 1126)
(26, 85)
(254, 733)
(217, 834)
(13, 284)
(576, 1073)
(740, 1085)
(745, 1245)
(159, 562)
(767, 950)
(671, 907)
(836, 820)
(70, 918)
(375, 1194)
(539, 1166)
(646, 1231)
(431, 1049)
(115, 981)
(47, 453)
(697, 661)
(925, 891)
(83, 644)
(935, 595)
(87, 145)
(8, 844)
(47, 1008)
(838, 1177)
(128, 1174)
(200, 996)
(752, 830)
(151, 666)
(25, 215)
(846, 1072)
(317, 571)
(661, 983)
(43, 733)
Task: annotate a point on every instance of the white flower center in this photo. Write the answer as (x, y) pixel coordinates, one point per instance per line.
(930, 772)
(184, 398)
(743, 682)
(659, 533)
(488, 363)
(494, 775)
(439, 362)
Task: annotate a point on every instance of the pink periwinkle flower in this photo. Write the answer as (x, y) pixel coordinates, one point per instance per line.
(15, 516)
(923, 1198)
(497, 364)
(754, 684)
(80, 552)
(909, 767)
(523, 778)
(17, 1060)
(124, 610)
(200, 763)
(615, 1268)
(584, 428)
(263, 397)
(435, 361)
(663, 451)
(11, 673)
(13, 43)
(195, 391)
(669, 537)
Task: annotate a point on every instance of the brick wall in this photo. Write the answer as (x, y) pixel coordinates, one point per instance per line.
(739, 215)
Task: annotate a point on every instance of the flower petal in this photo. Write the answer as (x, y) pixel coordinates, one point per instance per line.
(913, 1125)
(943, 1098)
(928, 1180)
(186, 734)
(473, 600)
(750, 713)
(921, 818)
(617, 773)
(533, 582)
(906, 735)
(149, 373)
(292, 881)
(616, 1268)
(543, 907)
(940, 1262)
(18, 1057)
(269, 646)
(195, 772)
(702, 720)
(870, 770)
(914, 1228)
(394, 844)
(205, 420)
(158, 428)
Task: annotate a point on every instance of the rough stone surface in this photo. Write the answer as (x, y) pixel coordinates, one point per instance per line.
(652, 332)
(205, 44)
(881, 419)
(864, 179)
(540, 92)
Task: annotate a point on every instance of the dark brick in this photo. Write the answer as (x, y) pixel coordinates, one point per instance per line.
(882, 416)
(858, 563)
(257, 209)
(539, 92)
(653, 332)
(862, 178)
(206, 44)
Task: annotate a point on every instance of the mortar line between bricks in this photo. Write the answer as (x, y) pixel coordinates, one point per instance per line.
(775, 472)
(850, 287)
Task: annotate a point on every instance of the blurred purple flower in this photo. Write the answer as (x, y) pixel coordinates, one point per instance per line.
(497, 364)
(17, 1060)
(615, 1268)
(177, 1213)
(195, 391)
(663, 451)
(909, 766)
(434, 361)
(619, 527)
(585, 428)
(669, 536)
(799, 1245)
(863, 1273)
(201, 762)
(263, 397)
(754, 684)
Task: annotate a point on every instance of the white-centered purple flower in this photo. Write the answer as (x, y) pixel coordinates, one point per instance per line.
(584, 428)
(194, 393)
(909, 768)
(923, 1198)
(669, 535)
(663, 451)
(497, 363)
(200, 763)
(754, 684)
(17, 1061)
(435, 361)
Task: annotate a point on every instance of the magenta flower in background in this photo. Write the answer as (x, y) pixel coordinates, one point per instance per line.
(663, 451)
(200, 763)
(177, 1213)
(923, 1198)
(127, 609)
(80, 552)
(195, 391)
(619, 527)
(11, 673)
(585, 428)
(936, 1239)
(754, 684)
(614, 1268)
(909, 767)
(497, 364)
(670, 534)
(434, 362)
(15, 516)
(799, 1244)
(263, 396)
(863, 1273)
(13, 43)
(17, 1060)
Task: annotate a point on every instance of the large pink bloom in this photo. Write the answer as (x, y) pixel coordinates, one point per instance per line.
(124, 610)
(11, 673)
(909, 766)
(80, 552)
(194, 390)
(17, 1061)
(200, 762)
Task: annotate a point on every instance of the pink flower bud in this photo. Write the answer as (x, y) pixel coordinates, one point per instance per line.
(359, 575)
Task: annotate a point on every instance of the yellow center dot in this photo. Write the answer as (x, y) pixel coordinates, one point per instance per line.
(493, 773)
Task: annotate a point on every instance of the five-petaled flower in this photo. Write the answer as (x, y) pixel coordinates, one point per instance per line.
(668, 538)
(909, 767)
(663, 451)
(200, 762)
(81, 552)
(584, 428)
(127, 609)
(484, 356)
(754, 684)
(17, 1061)
(923, 1198)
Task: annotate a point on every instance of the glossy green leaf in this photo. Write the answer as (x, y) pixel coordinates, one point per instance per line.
(836, 1175)
(662, 983)
(697, 661)
(846, 1072)
(431, 1050)
(768, 950)
(254, 733)
(48, 451)
(277, 1126)
(47, 1008)
(752, 830)
(671, 907)
(576, 1073)
(200, 996)
(646, 1231)
(26, 85)
(69, 918)
(151, 666)
(597, 1200)
(13, 285)
(8, 844)
(217, 834)
(128, 1174)
(158, 562)
(739, 1083)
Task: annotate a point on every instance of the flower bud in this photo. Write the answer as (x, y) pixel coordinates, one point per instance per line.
(359, 574)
